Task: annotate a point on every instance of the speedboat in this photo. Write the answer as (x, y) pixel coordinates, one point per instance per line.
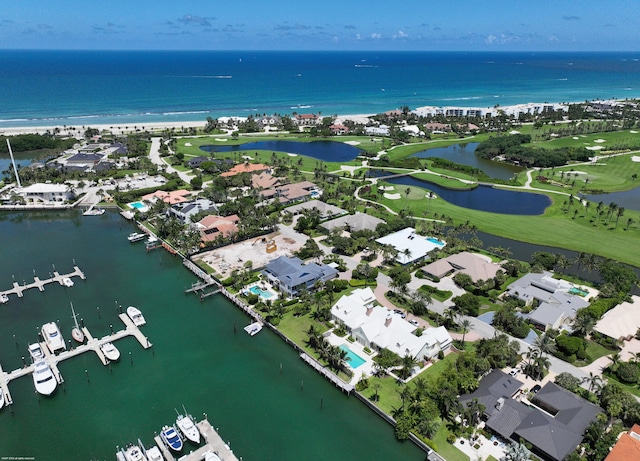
(133, 453)
(211, 456)
(154, 454)
(43, 378)
(110, 351)
(136, 316)
(4, 299)
(136, 237)
(67, 282)
(93, 212)
(76, 331)
(1, 398)
(188, 428)
(52, 337)
(253, 328)
(35, 351)
(152, 240)
(171, 437)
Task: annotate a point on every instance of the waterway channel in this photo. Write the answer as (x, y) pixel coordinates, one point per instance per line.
(256, 390)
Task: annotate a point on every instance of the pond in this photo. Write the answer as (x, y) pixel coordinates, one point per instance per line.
(464, 154)
(629, 199)
(484, 198)
(328, 151)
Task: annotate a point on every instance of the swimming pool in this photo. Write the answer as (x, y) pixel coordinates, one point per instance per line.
(435, 241)
(578, 291)
(353, 359)
(138, 206)
(257, 291)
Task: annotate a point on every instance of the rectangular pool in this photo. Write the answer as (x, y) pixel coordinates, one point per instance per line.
(353, 359)
(435, 241)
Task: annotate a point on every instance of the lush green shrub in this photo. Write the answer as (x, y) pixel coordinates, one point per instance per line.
(339, 285)
(569, 344)
(362, 384)
(357, 283)
(440, 355)
(628, 372)
(228, 281)
(252, 299)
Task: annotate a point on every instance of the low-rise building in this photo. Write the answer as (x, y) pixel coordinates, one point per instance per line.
(326, 210)
(41, 193)
(213, 226)
(621, 322)
(245, 168)
(410, 246)
(291, 275)
(185, 210)
(170, 197)
(627, 448)
(307, 119)
(475, 266)
(353, 222)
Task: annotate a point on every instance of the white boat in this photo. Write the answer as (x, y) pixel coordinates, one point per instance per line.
(152, 240)
(110, 351)
(93, 212)
(136, 316)
(136, 237)
(43, 378)
(67, 282)
(211, 456)
(52, 337)
(76, 331)
(171, 437)
(4, 299)
(35, 351)
(188, 428)
(253, 328)
(134, 453)
(1, 398)
(154, 454)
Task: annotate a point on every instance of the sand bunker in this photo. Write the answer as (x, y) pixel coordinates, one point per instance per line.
(635, 158)
(514, 132)
(389, 188)
(575, 137)
(633, 132)
(600, 140)
(352, 143)
(393, 196)
(292, 155)
(246, 157)
(188, 144)
(221, 139)
(595, 148)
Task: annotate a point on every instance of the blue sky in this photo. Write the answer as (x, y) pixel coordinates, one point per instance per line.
(542, 25)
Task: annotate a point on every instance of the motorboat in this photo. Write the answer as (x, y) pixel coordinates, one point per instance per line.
(67, 282)
(154, 454)
(1, 398)
(253, 328)
(188, 428)
(211, 456)
(93, 212)
(4, 298)
(152, 240)
(171, 437)
(43, 378)
(133, 453)
(52, 337)
(76, 331)
(35, 351)
(136, 316)
(110, 351)
(136, 237)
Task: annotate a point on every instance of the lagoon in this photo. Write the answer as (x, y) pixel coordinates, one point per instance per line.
(197, 359)
(328, 151)
(629, 199)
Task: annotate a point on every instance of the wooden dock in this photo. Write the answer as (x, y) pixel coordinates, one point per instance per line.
(90, 344)
(38, 283)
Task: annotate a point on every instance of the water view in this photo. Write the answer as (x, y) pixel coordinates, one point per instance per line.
(629, 199)
(328, 151)
(256, 390)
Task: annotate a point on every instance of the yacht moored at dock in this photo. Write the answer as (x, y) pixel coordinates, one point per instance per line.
(132, 452)
(67, 282)
(171, 437)
(253, 328)
(1, 398)
(136, 316)
(76, 331)
(154, 454)
(4, 298)
(35, 351)
(93, 212)
(110, 351)
(52, 337)
(136, 237)
(43, 379)
(188, 428)
(211, 456)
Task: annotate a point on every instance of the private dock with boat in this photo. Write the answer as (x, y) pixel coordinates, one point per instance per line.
(40, 283)
(90, 344)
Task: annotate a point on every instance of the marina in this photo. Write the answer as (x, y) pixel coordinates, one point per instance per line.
(92, 344)
(62, 279)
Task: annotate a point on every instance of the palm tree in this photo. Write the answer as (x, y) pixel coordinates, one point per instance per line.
(465, 325)
(595, 382)
(408, 362)
(541, 365)
(583, 325)
(615, 361)
(619, 214)
(562, 262)
(544, 344)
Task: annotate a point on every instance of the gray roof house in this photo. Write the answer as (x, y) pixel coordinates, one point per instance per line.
(326, 210)
(354, 222)
(291, 275)
(557, 306)
(553, 422)
(184, 210)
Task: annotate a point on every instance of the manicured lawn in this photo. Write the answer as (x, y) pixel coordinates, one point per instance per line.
(447, 182)
(634, 389)
(295, 328)
(388, 393)
(594, 351)
(447, 450)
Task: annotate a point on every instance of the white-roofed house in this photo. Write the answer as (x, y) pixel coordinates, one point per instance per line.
(46, 193)
(410, 246)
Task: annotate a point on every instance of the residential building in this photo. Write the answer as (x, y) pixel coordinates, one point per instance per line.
(378, 328)
(475, 266)
(326, 211)
(265, 180)
(41, 193)
(170, 197)
(621, 322)
(307, 119)
(245, 168)
(410, 246)
(382, 130)
(195, 162)
(291, 275)
(212, 226)
(353, 222)
(290, 193)
(338, 129)
(627, 448)
(185, 210)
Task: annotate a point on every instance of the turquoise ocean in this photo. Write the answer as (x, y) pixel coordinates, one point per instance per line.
(77, 88)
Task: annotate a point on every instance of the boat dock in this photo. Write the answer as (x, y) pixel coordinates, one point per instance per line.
(90, 344)
(40, 283)
(213, 442)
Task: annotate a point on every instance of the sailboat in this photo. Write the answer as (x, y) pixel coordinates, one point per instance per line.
(76, 332)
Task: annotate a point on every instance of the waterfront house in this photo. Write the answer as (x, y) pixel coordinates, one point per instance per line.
(553, 422)
(307, 120)
(185, 210)
(43, 194)
(410, 246)
(475, 266)
(557, 306)
(171, 197)
(212, 226)
(376, 327)
(621, 322)
(291, 275)
(338, 129)
(195, 162)
(290, 193)
(353, 222)
(245, 168)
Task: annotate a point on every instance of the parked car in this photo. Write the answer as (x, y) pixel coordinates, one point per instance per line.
(536, 388)
(514, 372)
(414, 323)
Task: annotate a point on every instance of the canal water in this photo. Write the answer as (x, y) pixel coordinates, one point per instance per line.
(464, 154)
(328, 151)
(261, 396)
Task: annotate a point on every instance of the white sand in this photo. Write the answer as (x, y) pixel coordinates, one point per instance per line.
(349, 168)
(221, 139)
(633, 132)
(595, 147)
(115, 128)
(246, 157)
(352, 143)
(188, 144)
(292, 155)
(575, 137)
(393, 196)
(576, 172)
(514, 132)
(599, 140)
(635, 158)
(389, 188)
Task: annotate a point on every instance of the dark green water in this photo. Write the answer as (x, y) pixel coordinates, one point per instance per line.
(197, 359)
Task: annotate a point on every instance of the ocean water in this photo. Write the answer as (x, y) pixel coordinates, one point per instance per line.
(264, 400)
(76, 88)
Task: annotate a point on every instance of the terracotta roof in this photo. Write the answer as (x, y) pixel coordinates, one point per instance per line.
(211, 226)
(265, 180)
(628, 446)
(171, 197)
(245, 168)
